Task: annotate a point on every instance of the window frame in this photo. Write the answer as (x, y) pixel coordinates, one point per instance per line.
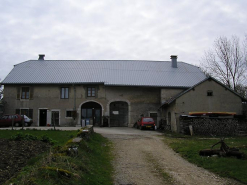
(210, 93)
(91, 92)
(26, 91)
(21, 111)
(64, 93)
(71, 114)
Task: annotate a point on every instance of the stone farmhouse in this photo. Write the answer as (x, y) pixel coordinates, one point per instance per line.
(112, 92)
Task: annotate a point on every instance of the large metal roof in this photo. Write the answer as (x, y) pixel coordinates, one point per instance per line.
(108, 72)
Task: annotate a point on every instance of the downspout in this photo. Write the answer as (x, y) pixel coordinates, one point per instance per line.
(74, 108)
(74, 97)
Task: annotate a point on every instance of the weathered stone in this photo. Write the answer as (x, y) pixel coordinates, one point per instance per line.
(77, 140)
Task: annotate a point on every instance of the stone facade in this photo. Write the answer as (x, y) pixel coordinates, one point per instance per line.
(101, 105)
(46, 99)
(209, 96)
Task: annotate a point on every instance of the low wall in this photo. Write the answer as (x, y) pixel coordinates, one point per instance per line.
(213, 126)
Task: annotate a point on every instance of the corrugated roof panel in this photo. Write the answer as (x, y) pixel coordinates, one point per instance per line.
(110, 72)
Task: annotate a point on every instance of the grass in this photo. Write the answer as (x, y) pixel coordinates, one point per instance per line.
(92, 165)
(189, 147)
(60, 137)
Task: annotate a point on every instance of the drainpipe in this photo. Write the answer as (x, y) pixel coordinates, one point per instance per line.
(74, 109)
(74, 97)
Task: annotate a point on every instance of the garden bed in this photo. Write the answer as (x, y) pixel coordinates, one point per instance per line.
(15, 155)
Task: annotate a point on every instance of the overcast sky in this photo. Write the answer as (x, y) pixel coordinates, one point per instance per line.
(115, 29)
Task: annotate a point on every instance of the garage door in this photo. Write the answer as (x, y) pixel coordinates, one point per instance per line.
(119, 114)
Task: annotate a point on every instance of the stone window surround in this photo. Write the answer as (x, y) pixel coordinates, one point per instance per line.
(64, 93)
(25, 93)
(66, 113)
(91, 91)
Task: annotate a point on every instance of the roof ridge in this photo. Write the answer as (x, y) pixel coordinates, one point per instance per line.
(110, 60)
(114, 72)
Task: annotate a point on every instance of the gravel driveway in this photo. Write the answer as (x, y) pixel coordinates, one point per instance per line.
(142, 158)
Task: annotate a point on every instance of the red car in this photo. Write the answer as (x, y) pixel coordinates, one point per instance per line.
(146, 122)
(6, 120)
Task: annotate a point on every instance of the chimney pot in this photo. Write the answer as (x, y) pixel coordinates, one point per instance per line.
(174, 61)
(41, 56)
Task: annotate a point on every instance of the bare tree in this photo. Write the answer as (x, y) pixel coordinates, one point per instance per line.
(227, 62)
(1, 92)
(2, 102)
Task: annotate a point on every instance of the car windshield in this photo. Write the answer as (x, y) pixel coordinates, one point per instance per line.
(148, 120)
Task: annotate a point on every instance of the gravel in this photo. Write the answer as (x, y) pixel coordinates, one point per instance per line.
(142, 158)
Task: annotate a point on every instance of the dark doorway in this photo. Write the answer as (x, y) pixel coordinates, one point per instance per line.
(42, 117)
(154, 116)
(119, 114)
(169, 118)
(55, 118)
(91, 114)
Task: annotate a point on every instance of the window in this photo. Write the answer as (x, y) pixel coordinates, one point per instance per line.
(64, 93)
(27, 112)
(210, 93)
(24, 112)
(25, 93)
(91, 91)
(69, 113)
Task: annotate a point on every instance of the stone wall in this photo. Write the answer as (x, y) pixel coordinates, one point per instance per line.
(212, 126)
(141, 100)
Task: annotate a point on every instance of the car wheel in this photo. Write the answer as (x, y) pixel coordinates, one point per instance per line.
(17, 124)
(26, 125)
(141, 127)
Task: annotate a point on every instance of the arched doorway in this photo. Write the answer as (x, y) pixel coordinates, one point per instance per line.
(91, 114)
(119, 114)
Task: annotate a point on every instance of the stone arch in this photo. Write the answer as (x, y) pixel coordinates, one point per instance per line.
(119, 113)
(90, 112)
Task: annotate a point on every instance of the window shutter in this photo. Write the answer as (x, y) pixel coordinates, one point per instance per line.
(18, 93)
(31, 93)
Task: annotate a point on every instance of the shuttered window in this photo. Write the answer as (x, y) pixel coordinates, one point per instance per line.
(25, 93)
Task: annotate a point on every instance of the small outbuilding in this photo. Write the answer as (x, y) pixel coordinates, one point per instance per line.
(209, 95)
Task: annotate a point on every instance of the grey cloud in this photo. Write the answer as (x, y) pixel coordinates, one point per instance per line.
(109, 29)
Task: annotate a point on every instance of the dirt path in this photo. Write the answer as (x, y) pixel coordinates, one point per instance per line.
(142, 158)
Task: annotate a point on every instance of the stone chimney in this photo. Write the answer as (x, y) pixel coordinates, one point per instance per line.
(174, 61)
(41, 56)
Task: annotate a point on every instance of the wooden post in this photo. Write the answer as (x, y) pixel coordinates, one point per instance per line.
(12, 122)
(53, 120)
(22, 122)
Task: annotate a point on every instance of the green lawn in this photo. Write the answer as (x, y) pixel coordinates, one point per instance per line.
(60, 137)
(189, 147)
